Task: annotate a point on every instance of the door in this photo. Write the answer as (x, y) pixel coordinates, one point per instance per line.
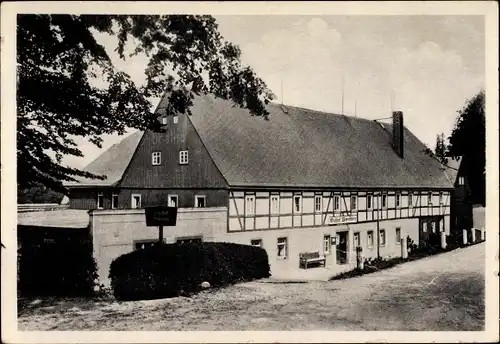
(342, 247)
(429, 231)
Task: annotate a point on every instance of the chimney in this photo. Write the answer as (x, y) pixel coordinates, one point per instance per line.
(397, 133)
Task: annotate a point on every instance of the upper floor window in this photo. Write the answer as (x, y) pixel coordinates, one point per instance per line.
(136, 201)
(250, 204)
(173, 201)
(441, 201)
(164, 120)
(354, 202)
(336, 202)
(100, 200)
(384, 200)
(156, 158)
(398, 200)
(429, 198)
(369, 202)
(317, 203)
(199, 201)
(176, 119)
(461, 181)
(297, 203)
(410, 200)
(275, 204)
(114, 201)
(183, 157)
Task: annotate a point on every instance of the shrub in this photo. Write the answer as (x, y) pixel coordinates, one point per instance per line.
(62, 267)
(166, 270)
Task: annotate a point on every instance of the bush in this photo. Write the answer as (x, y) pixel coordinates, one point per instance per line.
(167, 270)
(62, 267)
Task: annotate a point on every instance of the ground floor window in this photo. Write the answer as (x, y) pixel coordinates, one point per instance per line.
(173, 201)
(327, 242)
(100, 200)
(138, 245)
(282, 248)
(398, 236)
(357, 241)
(370, 238)
(189, 240)
(114, 201)
(256, 242)
(382, 237)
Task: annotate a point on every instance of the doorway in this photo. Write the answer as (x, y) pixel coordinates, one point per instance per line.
(342, 247)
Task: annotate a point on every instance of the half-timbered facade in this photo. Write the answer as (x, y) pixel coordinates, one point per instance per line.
(302, 181)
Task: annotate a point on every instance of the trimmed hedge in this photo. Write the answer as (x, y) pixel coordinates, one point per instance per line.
(57, 267)
(167, 270)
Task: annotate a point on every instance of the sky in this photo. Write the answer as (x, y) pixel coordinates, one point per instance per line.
(425, 66)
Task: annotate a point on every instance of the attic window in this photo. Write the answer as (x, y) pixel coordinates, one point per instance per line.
(156, 158)
(164, 120)
(183, 157)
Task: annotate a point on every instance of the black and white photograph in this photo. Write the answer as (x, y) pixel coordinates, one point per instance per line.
(323, 172)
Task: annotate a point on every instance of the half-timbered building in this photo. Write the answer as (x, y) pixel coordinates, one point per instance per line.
(302, 181)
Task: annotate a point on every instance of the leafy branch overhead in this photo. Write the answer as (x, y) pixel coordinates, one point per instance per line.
(67, 85)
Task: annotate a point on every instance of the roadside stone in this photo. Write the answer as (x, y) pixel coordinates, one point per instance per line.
(205, 285)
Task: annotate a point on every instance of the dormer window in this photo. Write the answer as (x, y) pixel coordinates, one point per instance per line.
(156, 158)
(183, 157)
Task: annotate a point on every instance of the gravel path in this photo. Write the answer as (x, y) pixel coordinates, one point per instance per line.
(440, 293)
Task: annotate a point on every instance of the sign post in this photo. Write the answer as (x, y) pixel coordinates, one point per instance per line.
(160, 216)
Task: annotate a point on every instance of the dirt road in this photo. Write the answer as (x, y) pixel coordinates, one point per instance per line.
(440, 293)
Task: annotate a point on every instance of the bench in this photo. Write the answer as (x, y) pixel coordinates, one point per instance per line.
(311, 258)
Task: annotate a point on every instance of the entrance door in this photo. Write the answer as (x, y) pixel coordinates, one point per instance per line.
(429, 231)
(342, 247)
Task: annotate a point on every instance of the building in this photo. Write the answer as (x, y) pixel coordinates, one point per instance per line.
(303, 181)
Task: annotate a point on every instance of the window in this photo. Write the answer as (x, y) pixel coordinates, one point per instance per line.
(114, 201)
(441, 198)
(433, 227)
(357, 241)
(136, 201)
(382, 237)
(256, 242)
(156, 158)
(336, 201)
(164, 120)
(199, 201)
(282, 248)
(183, 157)
(398, 236)
(429, 199)
(369, 201)
(370, 238)
(327, 242)
(194, 240)
(410, 200)
(317, 203)
(250, 205)
(297, 203)
(100, 200)
(424, 227)
(354, 202)
(173, 201)
(275, 204)
(144, 244)
(398, 200)
(384, 201)
(461, 181)
(176, 119)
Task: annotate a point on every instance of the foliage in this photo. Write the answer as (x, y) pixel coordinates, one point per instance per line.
(67, 85)
(441, 150)
(166, 270)
(468, 140)
(38, 194)
(57, 267)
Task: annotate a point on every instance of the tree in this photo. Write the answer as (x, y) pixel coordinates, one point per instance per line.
(468, 140)
(441, 150)
(67, 85)
(38, 194)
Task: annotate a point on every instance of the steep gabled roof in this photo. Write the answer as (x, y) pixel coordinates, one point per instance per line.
(112, 163)
(306, 148)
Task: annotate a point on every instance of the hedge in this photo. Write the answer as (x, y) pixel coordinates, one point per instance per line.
(57, 267)
(167, 270)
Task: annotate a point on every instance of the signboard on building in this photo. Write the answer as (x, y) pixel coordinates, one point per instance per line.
(161, 216)
(341, 219)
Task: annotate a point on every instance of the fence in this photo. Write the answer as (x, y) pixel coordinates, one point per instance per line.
(24, 208)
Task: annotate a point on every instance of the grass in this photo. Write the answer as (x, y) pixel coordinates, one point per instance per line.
(428, 294)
